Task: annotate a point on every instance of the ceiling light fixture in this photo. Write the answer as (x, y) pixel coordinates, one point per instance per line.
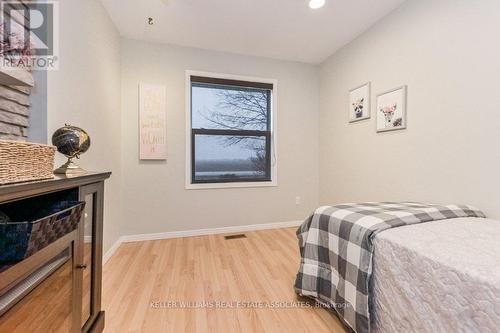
(315, 4)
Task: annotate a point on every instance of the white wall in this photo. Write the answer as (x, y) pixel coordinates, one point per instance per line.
(155, 198)
(447, 52)
(85, 92)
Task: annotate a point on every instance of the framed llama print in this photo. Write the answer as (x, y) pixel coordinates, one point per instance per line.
(391, 110)
(359, 103)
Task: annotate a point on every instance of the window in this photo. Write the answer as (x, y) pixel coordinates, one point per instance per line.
(231, 131)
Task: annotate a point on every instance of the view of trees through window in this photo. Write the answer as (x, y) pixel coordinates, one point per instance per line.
(231, 131)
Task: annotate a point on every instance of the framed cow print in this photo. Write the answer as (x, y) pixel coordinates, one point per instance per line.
(391, 110)
(359, 103)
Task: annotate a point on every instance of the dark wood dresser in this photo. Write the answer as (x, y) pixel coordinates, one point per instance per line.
(58, 288)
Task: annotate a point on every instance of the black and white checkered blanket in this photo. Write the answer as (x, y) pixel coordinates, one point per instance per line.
(336, 245)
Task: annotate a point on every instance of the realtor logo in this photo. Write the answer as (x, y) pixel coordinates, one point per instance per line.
(29, 34)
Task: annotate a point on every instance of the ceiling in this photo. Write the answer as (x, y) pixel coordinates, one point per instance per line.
(280, 29)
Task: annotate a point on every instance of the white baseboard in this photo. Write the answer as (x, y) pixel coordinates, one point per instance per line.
(111, 251)
(196, 232)
(210, 231)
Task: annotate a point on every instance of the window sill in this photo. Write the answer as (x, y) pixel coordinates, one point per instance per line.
(230, 185)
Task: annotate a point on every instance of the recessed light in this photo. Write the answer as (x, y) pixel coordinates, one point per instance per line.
(315, 4)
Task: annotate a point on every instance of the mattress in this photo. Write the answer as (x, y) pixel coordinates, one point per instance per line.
(441, 276)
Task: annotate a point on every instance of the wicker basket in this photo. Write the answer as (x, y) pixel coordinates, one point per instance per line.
(24, 161)
(19, 240)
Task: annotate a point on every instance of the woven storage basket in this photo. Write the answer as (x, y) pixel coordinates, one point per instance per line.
(24, 161)
(19, 240)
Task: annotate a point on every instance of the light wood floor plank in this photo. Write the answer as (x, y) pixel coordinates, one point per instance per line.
(259, 268)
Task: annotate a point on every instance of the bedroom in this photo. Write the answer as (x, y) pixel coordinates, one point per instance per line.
(350, 102)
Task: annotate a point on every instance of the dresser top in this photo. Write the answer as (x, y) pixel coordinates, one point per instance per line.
(59, 182)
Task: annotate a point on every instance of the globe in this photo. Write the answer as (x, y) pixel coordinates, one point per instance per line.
(71, 141)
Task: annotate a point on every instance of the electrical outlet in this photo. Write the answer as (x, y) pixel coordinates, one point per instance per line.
(297, 200)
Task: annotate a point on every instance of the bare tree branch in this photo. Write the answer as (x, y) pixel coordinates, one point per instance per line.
(242, 110)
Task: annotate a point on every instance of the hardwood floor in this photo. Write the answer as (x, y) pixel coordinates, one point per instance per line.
(260, 268)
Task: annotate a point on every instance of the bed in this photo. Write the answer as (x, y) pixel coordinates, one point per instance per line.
(403, 267)
(442, 276)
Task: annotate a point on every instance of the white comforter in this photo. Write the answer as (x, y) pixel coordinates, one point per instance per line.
(441, 276)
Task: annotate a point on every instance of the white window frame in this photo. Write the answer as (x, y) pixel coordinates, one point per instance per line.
(274, 143)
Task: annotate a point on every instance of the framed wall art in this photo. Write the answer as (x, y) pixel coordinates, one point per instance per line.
(152, 122)
(391, 110)
(359, 103)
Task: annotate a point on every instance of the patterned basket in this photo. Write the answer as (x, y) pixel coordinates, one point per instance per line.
(19, 240)
(24, 161)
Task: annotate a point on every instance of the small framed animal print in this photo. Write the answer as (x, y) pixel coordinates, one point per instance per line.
(359, 103)
(391, 110)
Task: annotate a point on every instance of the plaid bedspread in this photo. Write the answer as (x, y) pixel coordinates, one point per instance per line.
(337, 249)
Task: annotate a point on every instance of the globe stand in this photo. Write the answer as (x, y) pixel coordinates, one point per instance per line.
(69, 168)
